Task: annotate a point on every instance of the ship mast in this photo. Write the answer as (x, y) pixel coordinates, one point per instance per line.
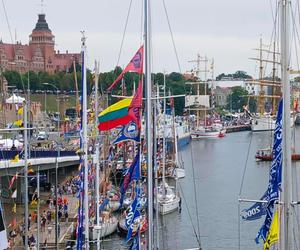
(286, 227)
(148, 134)
(85, 143)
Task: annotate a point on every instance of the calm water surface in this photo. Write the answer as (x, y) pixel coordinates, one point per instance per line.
(218, 169)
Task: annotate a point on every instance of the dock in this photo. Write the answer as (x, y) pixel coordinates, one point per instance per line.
(238, 128)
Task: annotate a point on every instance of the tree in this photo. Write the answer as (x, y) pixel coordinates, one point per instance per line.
(239, 98)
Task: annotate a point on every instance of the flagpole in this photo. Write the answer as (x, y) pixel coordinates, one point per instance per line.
(148, 121)
(85, 143)
(287, 242)
(25, 133)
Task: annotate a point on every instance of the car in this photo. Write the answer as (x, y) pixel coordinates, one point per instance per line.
(42, 136)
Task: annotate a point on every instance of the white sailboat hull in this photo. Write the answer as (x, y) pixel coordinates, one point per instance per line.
(265, 123)
(168, 206)
(179, 173)
(199, 134)
(104, 230)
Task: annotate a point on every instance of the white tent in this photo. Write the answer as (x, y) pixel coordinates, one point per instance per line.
(14, 99)
(8, 143)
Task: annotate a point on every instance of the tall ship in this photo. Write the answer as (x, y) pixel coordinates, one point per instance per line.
(269, 91)
(203, 124)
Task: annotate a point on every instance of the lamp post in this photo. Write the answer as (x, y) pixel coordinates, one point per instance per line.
(56, 164)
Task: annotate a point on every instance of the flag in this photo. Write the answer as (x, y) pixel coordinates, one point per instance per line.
(273, 235)
(12, 181)
(256, 211)
(18, 123)
(135, 65)
(15, 159)
(132, 173)
(133, 214)
(129, 132)
(115, 115)
(136, 105)
(20, 111)
(122, 112)
(274, 176)
(14, 194)
(136, 242)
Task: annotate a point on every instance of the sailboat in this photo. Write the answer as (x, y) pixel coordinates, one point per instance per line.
(166, 197)
(201, 103)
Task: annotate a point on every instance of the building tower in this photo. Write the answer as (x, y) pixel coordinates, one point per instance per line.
(42, 43)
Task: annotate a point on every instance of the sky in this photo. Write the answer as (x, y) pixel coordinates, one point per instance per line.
(226, 30)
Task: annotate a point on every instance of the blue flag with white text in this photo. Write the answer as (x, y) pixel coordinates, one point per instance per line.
(274, 176)
(256, 211)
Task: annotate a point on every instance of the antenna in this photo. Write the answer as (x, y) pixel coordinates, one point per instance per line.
(42, 4)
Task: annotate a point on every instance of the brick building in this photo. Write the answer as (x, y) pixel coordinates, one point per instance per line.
(38, 55)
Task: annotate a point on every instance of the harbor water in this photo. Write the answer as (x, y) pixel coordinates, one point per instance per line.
(218, 166)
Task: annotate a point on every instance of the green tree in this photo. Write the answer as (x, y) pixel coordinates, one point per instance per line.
(238, 98)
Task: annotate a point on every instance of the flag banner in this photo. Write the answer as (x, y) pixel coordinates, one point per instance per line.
(136, 241)
(129, 132)
(256, 211)
(274, 176)
(12, 181)
(122, 112)
(132, 173)
(132, 215)
(136, 105)
(115, 115)
(273, 235)
(135, 65)
(15, 159)
(14, 194)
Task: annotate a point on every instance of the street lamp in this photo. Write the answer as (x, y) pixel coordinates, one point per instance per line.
(56, 164)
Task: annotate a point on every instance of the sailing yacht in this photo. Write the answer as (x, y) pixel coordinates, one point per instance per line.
(168, 199)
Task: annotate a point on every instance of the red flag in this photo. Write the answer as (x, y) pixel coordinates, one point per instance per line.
(134, 109)
(12, 181)
(135, 65)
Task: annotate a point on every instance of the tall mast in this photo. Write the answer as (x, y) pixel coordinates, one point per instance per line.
(97, 145)
(205, 87)
(164, 142)
(261, 92)
(85, 143)
(148, 120)
(287, 242)
(26, 172)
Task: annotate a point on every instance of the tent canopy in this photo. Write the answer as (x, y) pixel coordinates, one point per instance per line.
(14, 99)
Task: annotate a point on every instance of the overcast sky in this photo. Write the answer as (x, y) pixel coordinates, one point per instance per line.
(226, 30)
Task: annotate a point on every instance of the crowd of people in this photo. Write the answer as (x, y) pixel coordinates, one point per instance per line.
(47, 215)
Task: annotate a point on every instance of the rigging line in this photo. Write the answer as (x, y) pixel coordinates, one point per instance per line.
(246, 164)
(171, 33)
(195, 196)
(7, 21)
(124, 32)
(295, 34)
(190, 216)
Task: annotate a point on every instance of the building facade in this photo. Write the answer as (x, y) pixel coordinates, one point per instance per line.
(38, 55)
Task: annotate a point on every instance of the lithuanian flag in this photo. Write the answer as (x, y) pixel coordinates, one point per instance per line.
(122, 112)
(115, 115)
